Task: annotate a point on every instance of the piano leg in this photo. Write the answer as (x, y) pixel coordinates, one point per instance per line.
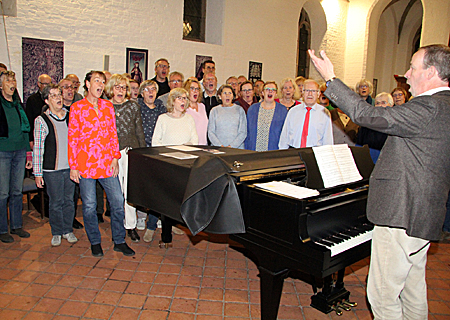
(271, 285)
(166, 232)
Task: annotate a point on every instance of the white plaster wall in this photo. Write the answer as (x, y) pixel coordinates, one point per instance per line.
(252, 30)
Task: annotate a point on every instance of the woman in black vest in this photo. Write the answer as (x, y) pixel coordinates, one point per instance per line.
(51, 164)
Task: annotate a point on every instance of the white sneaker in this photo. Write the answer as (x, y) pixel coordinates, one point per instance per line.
(140, 225)
(70, 237)
(177, 230)
(56, 241)
(158, 224)
(148, 236)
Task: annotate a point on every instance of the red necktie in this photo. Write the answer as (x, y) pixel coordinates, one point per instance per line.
(305, 128)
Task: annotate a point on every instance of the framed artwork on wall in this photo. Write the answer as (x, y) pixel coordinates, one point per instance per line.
(137, 64)
(40, 57)
(254, 71)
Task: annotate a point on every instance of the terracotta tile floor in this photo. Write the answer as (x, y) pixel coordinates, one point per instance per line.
(199, 278)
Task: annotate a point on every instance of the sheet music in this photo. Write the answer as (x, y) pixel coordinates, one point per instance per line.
(184, 148)
(179, 155)
(288, 189)
(336, 165)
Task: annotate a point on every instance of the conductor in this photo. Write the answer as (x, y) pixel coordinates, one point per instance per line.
(410, 183)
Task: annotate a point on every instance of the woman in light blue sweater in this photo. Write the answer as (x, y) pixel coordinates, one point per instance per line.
(227, 126)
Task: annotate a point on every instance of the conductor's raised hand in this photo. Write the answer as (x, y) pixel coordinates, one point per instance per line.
(323, 66)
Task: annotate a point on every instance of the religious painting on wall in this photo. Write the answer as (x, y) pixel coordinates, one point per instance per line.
(137, 64)
(198, 65)
(40, 57)
(254, 71)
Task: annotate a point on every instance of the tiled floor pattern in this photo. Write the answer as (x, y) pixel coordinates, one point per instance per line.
(199, 278)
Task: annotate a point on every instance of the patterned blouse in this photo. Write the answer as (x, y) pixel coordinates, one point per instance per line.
(93, 142)
(264, 122)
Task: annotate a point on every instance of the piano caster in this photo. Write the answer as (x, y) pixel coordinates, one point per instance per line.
(165, 245)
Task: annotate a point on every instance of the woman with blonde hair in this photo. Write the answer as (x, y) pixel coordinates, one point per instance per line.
(131, 135)
(174, 128)
(289, 93)
(197, 109)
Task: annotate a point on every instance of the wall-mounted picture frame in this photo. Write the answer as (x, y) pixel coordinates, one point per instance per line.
(137, 64)
(40, 56)
(254, 71)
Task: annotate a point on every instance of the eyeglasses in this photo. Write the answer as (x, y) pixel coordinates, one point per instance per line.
(364, 86)
(308, 91)
(76, 82)
(163, 66)
(182, 99)
(233, 83)
(247, 90)
(55, 95)
(150, 89)
(397, 95)
(176, 81)
(269, 90)
(194, 89)
(67, 87)
(119, 87)
(210, 68)
(45, 83)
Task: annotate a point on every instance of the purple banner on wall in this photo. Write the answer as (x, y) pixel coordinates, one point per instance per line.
(38, 57)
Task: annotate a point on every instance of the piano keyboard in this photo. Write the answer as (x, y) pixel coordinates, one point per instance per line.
(341, 242)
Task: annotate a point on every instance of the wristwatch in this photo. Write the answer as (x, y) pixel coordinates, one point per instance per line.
(329, 81)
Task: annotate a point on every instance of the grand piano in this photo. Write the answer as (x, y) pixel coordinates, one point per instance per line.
(215, 192)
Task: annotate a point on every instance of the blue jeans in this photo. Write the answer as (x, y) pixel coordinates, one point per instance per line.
(60, 190)
(152, 222)
(116, 202)
(12, 172)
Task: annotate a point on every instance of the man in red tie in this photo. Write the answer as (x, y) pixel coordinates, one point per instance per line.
(307, 124)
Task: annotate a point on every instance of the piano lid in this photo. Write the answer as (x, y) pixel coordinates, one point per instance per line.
(262, 160)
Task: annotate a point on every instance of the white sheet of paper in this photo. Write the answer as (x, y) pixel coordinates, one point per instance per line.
(184, 148)
(288, 189)
(336, 165)
(179, 155)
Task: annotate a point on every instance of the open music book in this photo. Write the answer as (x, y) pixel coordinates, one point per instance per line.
(336, 165)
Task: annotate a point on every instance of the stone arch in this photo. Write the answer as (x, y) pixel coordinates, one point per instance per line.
(397, 26)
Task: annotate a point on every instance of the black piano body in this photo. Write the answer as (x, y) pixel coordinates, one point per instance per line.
(282, 234)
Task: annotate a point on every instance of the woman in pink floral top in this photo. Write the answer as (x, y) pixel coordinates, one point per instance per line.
(93, 155)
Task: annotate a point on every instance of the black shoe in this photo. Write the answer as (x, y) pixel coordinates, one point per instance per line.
(20, 232)
(100, 218)
(124, 248)
(77, 224)
(107, 213)
(6, 238)
(132, 233)
(97, 250)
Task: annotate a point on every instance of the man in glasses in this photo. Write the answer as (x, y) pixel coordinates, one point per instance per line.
(162, 68)
(35, 103)
(307, 124)
(76, 84)
(176, 80)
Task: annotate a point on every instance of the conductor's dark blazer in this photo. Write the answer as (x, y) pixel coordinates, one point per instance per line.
(410, 183)
(343, 134)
